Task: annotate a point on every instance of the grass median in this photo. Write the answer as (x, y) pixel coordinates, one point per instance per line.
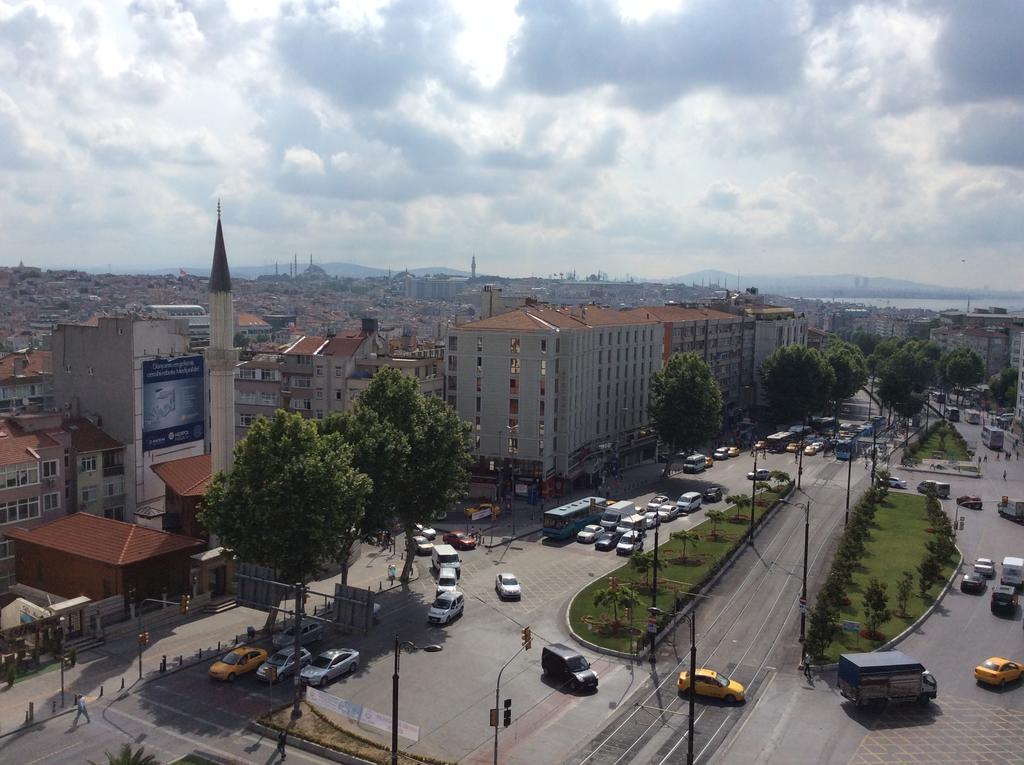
(683, 569)
(897, 542)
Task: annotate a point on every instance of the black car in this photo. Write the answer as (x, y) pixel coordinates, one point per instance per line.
(1004, 600)
(607, 540)
(563, 663)
(712, 494)
(973, 583)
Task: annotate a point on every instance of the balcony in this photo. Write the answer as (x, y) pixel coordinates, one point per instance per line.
(109, 470)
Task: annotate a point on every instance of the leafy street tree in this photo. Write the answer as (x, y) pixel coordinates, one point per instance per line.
(876, 606)
(291, 500)
(616, 597)
(904, 377)
(903, 589)
(779, 476)
(741, 502)
(962, 368)
(642, 563)
(686, 405)
(820, 626)
(798, 381)
(128, 756)
(928, 571)
(716, 517)
(414, 448)
(1004, 387)
(851, 372)
(685, 537)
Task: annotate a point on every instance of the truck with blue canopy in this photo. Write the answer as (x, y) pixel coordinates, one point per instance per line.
(882, 676)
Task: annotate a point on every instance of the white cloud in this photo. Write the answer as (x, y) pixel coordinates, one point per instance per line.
(301, 160)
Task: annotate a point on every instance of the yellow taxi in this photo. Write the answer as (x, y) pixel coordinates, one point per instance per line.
(239, 661)
(734, 451)
(709, 461)
(713, 684)
(998, 671)
(761, 445)
(810, 450)
(793, 448)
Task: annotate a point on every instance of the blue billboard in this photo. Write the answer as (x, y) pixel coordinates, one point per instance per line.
(172, 402)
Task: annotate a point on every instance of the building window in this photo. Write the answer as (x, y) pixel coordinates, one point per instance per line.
(268, 399)
(479, 345)
(540, 448)
(50, 468)
(542, 386)
(478, 405)
(543, 345)
(245, 373)
(114, 513)
(319, 393)
(513, 345)
(479, 364)
(476, 443)
(540, 428)
(87, 464)
(88, 494)
(113, 488)
(479, 383)
(513, 365)
(25, 474)
(246, 419)
(52, 501)
(451, 401)
(541, 408)
(6, 549)
(513, 445)
(453, 363)
(24, 509)
(453, 343)
(543, 367)
(513, 386)
(337, 395)
(92, 370)
(319, 414)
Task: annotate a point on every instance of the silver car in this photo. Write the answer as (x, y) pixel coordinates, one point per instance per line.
(281, 665)
(312, 631)
(589, 533)
(507, 587)
(329, 665)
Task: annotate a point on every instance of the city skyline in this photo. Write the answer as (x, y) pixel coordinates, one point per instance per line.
(652, 139)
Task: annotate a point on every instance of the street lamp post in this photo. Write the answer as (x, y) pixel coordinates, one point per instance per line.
(692, 619)
(62, 619)
(803, 591)
(654, 586)
(399, 645)
(753, 498)
(849, 475)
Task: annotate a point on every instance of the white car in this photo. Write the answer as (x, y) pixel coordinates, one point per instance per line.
(897, 483)
(282, 664)
(653, 518)
(447, 606)
(424, 531)
(657, 501)
(507, 587)
(761, 475)
(589, 534)
(629, 543)
(423, 545)
(986, 567)
(329, 665)
(668, 512)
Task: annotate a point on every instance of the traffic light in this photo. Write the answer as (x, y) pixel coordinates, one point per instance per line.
(185, 601)
(143, 638)
(527, 639)
(494, 717)
(508, 712)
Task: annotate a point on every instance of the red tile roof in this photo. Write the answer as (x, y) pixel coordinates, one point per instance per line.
(86, 437)
(188, 476)
(39, 363)
(672, 313)
(305, 346)
(343, 345)
(105, 540)
(250, 320)
(16, 445)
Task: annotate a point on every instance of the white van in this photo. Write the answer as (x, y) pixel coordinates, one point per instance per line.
(636, 522)
(611, 517)
(689, 502)
(447, 580)
(445, 556)
(1013, 572)
(695, 463)
(941, 489)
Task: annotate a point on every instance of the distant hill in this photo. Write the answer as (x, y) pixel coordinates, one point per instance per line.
(350, 270)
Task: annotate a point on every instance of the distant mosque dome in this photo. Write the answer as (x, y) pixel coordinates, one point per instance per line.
(314, 270)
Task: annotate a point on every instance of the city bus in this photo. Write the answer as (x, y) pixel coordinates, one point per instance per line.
(846, 449)
(992, 437)
(777, 442)
(566, 521)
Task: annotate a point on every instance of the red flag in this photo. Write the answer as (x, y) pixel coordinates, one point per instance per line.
(182, 272)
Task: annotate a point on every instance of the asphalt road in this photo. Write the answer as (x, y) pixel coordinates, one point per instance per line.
(796, 722)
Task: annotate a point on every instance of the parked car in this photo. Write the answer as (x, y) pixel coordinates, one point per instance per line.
(239, 661)
(792, 448)
(588, 534)
(709, 461)
(652, 517)
(998, 671)
(712, 684)
(460, 540)
(985, 567)
(722, 453)
(282, 664)
(424, 531)
(312, 631)
(423, 545)
(629, 543)
(973, 583)
(607, 540)
(712, 494)
(734, 451)
(810, 450)
(895, 482)
(1004, 600)
(446, 607)
(761, 474)
(447, 580)
(657, 501)
(688, 502)
(969, 501)
(507, 587)
(329, 665)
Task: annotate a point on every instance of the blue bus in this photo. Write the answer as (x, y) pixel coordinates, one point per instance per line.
(846, 449)
(566, 521)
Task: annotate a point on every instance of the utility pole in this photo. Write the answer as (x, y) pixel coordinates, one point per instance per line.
(300, 596)
(849, 471)
(753, 498)
(803, 595)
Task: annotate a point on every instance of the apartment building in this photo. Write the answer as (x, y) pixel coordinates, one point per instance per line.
(31, 483)
(773, 327)
(257, 390)
(95, 465)
(26, 381)
(554, 394)
(993, 345)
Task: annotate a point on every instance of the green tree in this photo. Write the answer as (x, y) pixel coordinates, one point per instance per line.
(928, 571)
(740, 502)
(643, 563)
(903, 589)
(851, 372)
(128, 756)
(1004, 387)
(904, 376)
(798, 381)
(414, 447)
(876, 605)
(962, 368)
(686, 404)
(821, 623)
(716, 517)
(779, 476)
(685, 537)
(291, 500)
(616, 596)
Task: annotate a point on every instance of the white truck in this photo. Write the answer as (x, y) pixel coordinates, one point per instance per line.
(1012, 573)
(1013, 509)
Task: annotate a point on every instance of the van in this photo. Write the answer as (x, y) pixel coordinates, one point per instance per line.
(941, 489)
(611, 517)
(1013, 572)
(689, 502)
(1004, 600)
(560, 662)
(311, 630)
(636, 522)
(445, 556)
(447, 580)
(695, 463)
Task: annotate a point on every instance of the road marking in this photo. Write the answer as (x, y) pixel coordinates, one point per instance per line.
(53, 754)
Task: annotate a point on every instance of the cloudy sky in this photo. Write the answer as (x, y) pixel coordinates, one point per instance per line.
(645, 138)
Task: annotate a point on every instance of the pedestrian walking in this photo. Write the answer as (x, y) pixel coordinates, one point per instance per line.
(807, 666)
(82, 711)
(392, 572)
(282, 741)
(1004, 475)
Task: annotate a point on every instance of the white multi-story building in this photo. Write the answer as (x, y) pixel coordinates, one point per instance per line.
(554, 394)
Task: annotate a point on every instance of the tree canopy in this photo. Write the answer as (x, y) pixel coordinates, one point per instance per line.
(798, 381)
(686, 404)
(1004, 386)
(414, 447)
(850, 369)
(905, 375)
(962, 367)
(292, 497)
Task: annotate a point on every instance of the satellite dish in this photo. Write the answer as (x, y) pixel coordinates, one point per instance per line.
(25, 401)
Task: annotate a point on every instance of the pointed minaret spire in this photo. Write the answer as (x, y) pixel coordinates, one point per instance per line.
(220, 276)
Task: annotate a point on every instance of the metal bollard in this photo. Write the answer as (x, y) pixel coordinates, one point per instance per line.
(179, 661)
(380, 585)
(53, 709)
(122, 683)
(31, 711)
(199, 653)
(218, 645)
(101, 691)
(163, 663)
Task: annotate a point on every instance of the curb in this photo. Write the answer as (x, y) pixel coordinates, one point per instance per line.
(300, 743)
